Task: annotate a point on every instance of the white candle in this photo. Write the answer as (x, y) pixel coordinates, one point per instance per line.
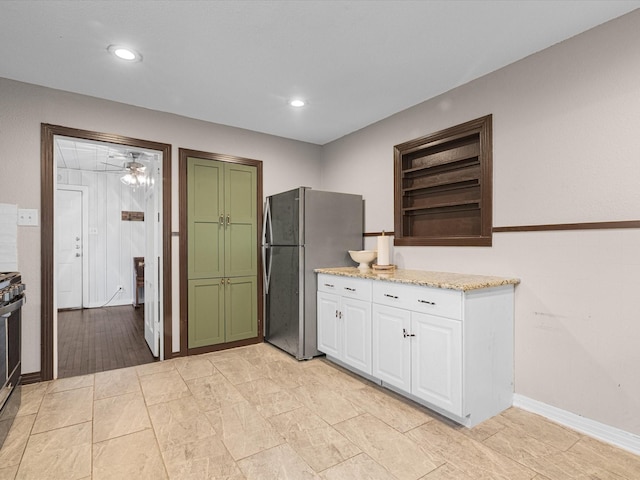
(383, 250)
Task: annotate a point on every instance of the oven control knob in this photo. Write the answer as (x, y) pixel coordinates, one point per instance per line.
(6, 296)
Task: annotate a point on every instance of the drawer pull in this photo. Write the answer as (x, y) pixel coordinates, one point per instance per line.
(350, 289)
(406, 334)
(390, 296)
(329, 285)
(427, 302)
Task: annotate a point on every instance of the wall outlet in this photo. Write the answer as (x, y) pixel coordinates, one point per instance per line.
(28, 216)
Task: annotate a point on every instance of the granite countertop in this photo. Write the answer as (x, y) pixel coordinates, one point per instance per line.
(453, 281)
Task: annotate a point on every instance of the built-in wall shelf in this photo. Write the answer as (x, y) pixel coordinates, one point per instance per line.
(443, 187)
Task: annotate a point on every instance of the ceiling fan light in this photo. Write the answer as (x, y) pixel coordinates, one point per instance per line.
(127, 179)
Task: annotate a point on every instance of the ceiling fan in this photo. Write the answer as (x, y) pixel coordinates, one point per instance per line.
(134, 175)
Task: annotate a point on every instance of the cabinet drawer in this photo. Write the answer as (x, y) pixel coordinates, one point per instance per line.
(345, 286)
(435, 301)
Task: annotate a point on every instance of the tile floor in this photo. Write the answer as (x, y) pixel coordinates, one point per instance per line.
(255, 413)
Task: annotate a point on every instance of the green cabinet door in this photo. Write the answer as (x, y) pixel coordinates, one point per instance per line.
(240, 308)
(206, 312)
(222, 252)
(240, 193)
(205, 211)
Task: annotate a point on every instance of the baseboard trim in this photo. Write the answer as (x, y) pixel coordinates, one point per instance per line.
(33, 377)
(615, 436)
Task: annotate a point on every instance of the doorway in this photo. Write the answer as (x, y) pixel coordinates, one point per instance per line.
(107, 263)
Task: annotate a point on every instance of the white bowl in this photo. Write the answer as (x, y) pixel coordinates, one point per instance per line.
(363, 257)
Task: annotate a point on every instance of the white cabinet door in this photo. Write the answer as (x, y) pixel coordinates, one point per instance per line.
(356, 321)
(391, 349)
(437, 361)
(329, 333)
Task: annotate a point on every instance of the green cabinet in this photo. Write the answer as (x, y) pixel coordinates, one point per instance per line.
(222, 252)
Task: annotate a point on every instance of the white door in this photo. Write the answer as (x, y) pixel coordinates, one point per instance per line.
(69, 248)
(357, 334)
(437, 361)
(152, 260)
(391, 348)
(328, 325)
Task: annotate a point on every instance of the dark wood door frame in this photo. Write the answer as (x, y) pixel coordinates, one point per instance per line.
(47, 183)
(184, 290)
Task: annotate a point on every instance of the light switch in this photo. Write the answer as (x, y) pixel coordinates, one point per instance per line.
(28, 217)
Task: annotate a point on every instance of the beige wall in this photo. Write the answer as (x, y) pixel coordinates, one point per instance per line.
(566, 133)
(23, 107)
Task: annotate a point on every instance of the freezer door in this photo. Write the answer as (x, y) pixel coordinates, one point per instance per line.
(282, 303)
(285, 218)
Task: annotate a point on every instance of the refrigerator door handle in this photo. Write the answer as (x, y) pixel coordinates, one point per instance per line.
(267, 230)
(266, 266)
(266, 269)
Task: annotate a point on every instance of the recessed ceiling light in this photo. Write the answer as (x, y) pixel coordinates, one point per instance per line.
(125, 53)
(297, 103)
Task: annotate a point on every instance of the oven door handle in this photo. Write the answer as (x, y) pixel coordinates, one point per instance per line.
(8, 309)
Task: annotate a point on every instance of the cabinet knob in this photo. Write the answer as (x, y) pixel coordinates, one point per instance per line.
(406, 334)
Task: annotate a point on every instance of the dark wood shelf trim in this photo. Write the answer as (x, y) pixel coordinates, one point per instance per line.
(378, 234)
(570, 226)
(458, 164)
(441, 187)
(457, 206)
(547, 228)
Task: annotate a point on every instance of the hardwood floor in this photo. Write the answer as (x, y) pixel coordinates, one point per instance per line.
(98, 339)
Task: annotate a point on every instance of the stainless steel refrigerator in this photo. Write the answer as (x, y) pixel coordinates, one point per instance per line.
(304, 229)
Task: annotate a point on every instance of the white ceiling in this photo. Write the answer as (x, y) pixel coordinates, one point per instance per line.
(77, 154)
(238, 62)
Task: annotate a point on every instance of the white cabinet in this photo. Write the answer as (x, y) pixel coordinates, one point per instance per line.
(392, 359)
(419, 353)
(448, 349)
(436, 361)
(344, 321)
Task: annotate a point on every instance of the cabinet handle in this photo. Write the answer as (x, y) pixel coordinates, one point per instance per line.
(329, 285)
(228, 281)
(427, 302)
(222, 282)
(390, 296)
(350, 289)
(336, 313)
(339, 314)
(221, 219)
(228, 219)
(406, 334)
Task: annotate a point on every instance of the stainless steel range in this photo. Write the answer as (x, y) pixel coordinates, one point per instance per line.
(12, 297)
